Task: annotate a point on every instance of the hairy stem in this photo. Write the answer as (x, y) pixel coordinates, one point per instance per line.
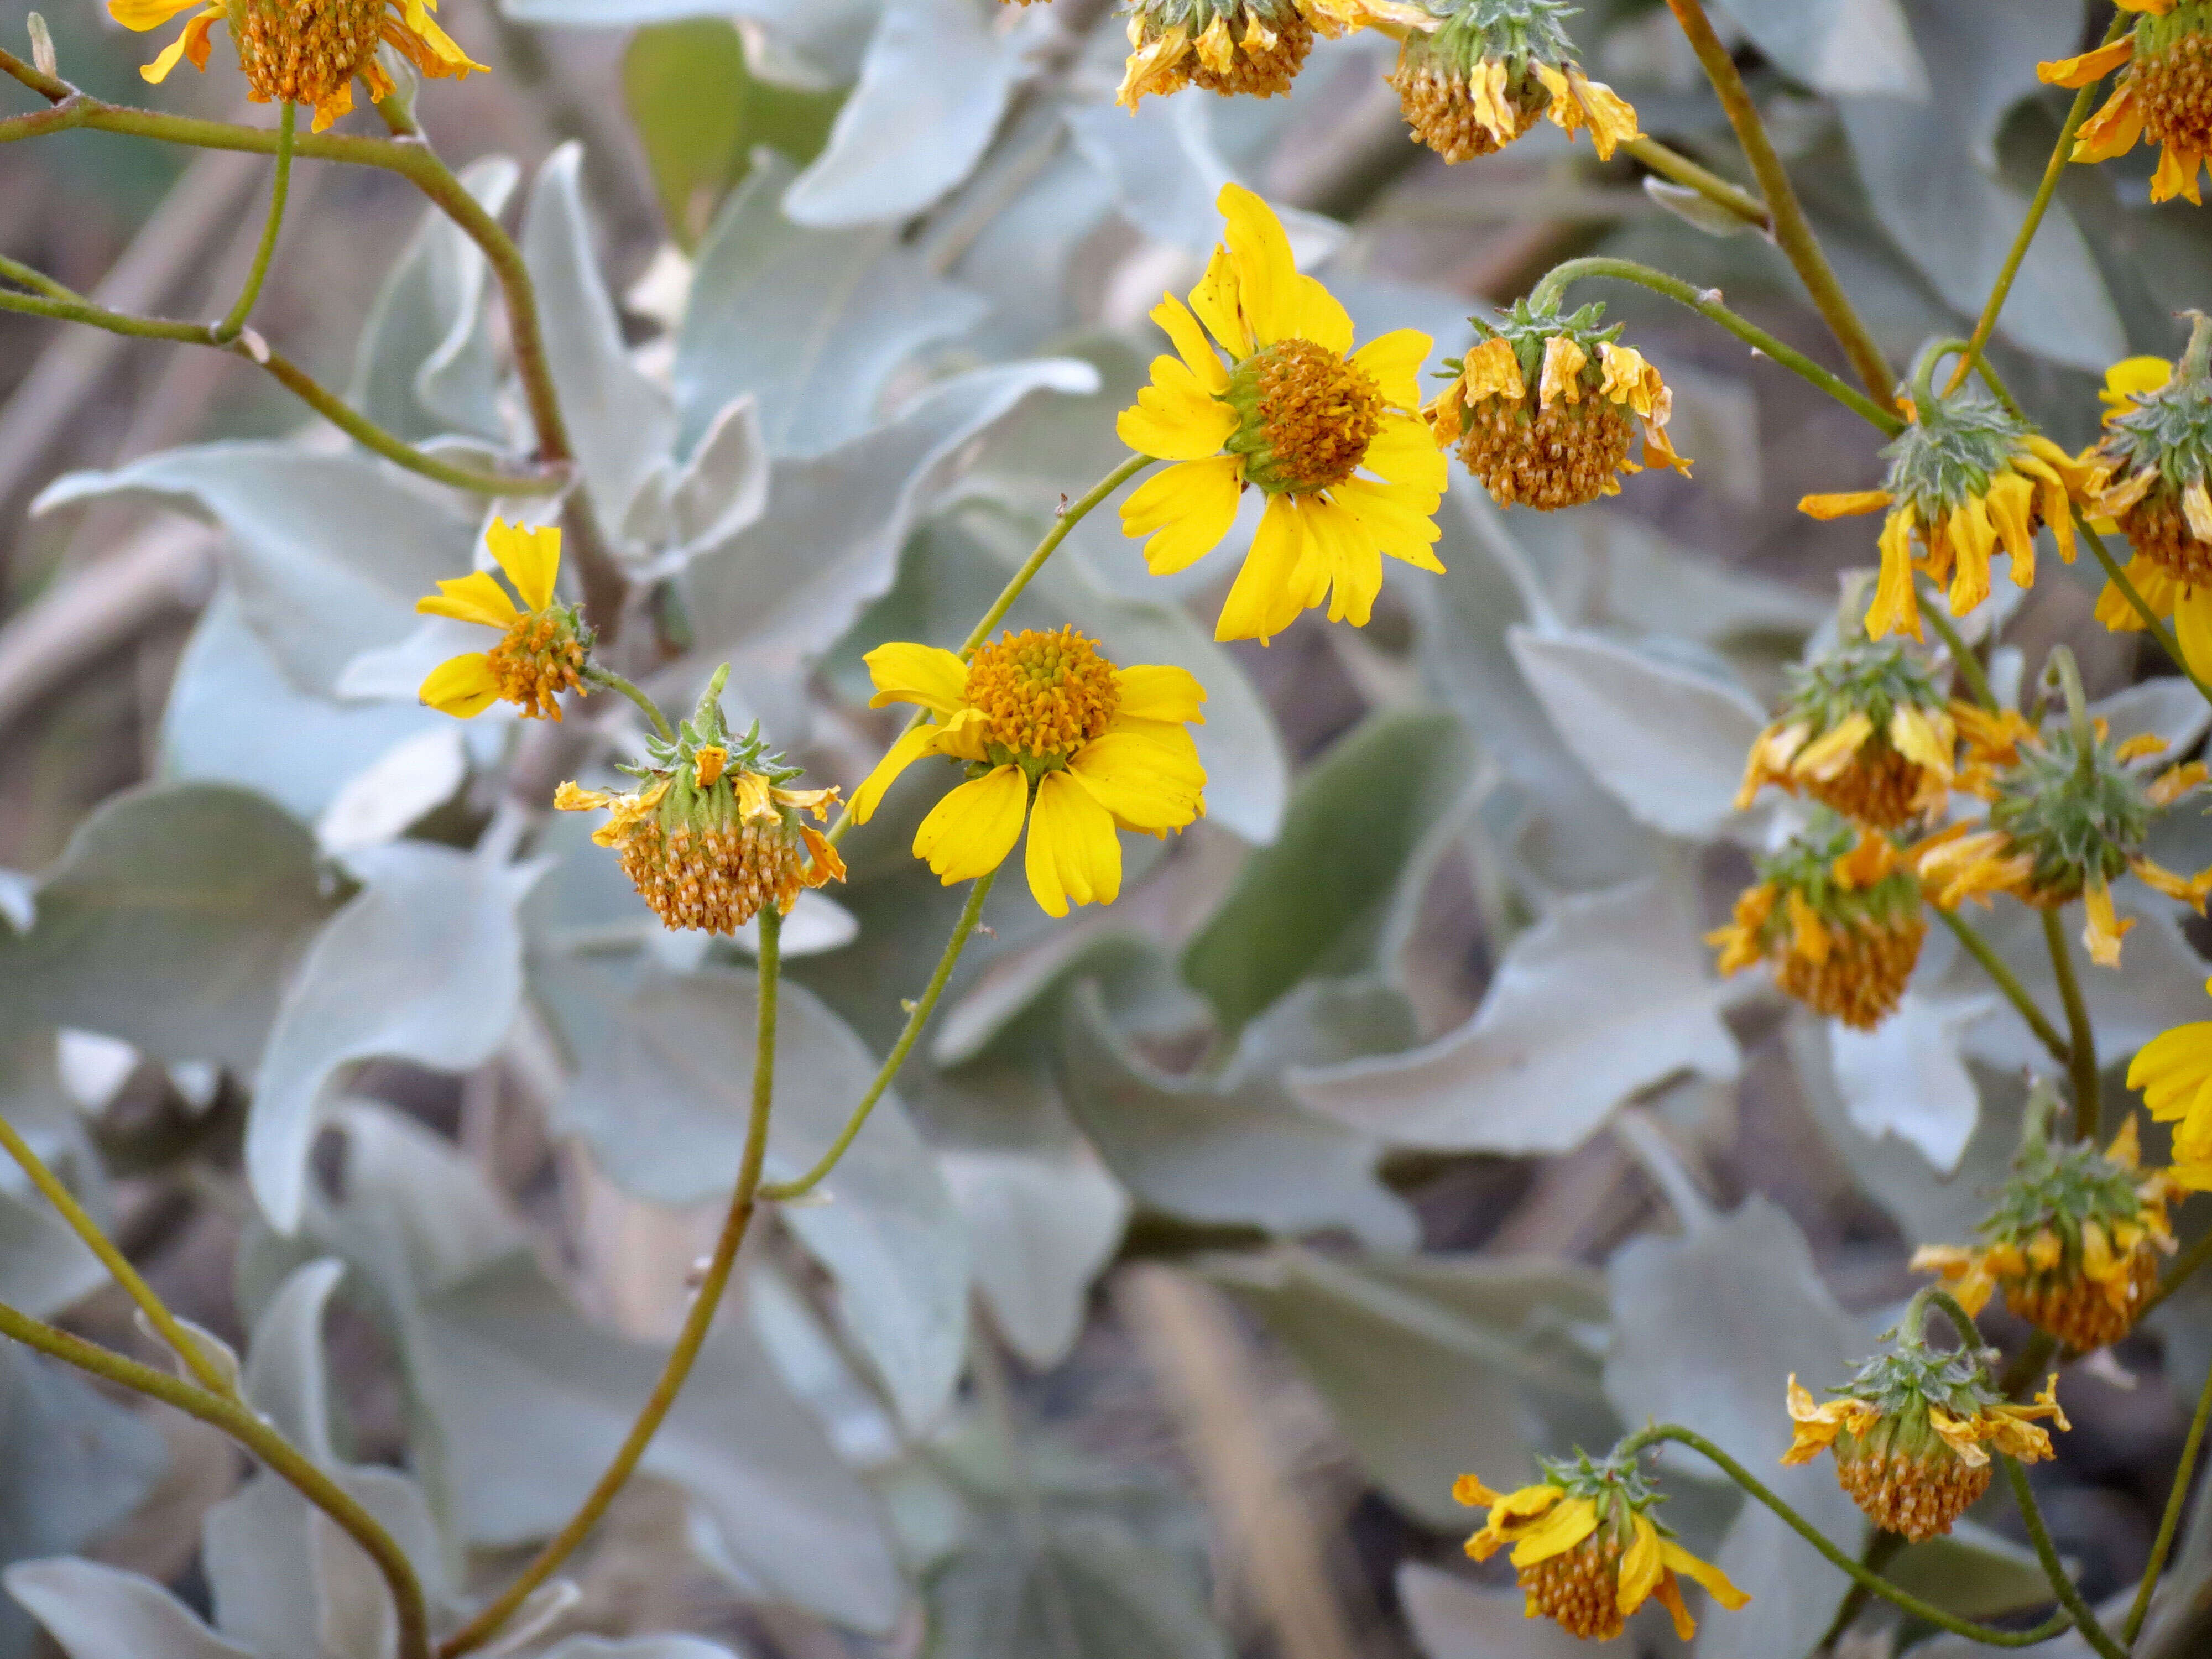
(614, 682)
(1706, 303)
(1880, 1550)
(243, 1424)
(2008, 983)
(228, 330)
(2176, 1498)
(482, 1628)
(1936, 609)
(1671, 164)
(2082, 1044)
(917, 1016)
(1793, 232)
(2079, 1611)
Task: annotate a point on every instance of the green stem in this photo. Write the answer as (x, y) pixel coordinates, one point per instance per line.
(1069, 517)
(1793, 232)
(2070, 1598)
(1672, 164)
(1811, 1534)
(2053, 170)
(244, 1426)
(1880, 1550)
(917, 1016)
(1706, 304)
(46, 86)
(2081, 1045)
(2176, 1499)
(211, 1375)
(293, 379)
(1962, 1322)
(2153, 623)
(482, 1628)
(37, 281)
(2061, 662)
(228, 329)
(614, 682)
(1936, 609)
(2008, 983)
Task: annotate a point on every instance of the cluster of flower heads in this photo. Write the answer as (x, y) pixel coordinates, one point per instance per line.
(2164, 93)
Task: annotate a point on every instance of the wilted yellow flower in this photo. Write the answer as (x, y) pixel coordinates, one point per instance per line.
(1231, 46)
(1586, 1550)
(304, 51)
(1485, 73)
(1544, 409)
(543, 644)
(1863, 730)
(1328, 433)
(1054, 735)
(2164, 93)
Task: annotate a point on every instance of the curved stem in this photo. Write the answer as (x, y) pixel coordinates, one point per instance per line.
(2175, 1499)
(688, 1341)
(228, 330)
(1069, 516)
(1936, 609)
(614, 682)
(917, 1016)
(1880, 1550)
(211, 1376)
(2082, 1046)
(37, 281)
(1671, 164)
(2070, 1598)
(50, 87)
(1706, 303)
(1793, 233)
(244, 1426)
(2154, 623)
(2062, 662)
(2053, 169)
(2008, 983)
(1811, 1534)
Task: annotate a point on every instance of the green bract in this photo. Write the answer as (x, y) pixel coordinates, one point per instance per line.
(2081, 814)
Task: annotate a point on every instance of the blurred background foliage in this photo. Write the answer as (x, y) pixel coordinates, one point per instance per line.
(1391, 1125)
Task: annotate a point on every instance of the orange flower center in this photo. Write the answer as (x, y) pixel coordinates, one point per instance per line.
(537, 658)
(1046, 695)
(304, 50)
(1308, 416)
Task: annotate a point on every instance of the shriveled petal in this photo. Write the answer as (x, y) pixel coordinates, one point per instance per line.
(1175, 418)
(1393, 360)
(1190, 344)
(1848, 504)
(927, 674)
(475, 598)
(1161, 692)
(1566, 1526)
(1715, 1582)
(2105, 929)
(971, 830)
(1561, 375)
(2176, 175)
(2079, 71)
(2012, 509)
(910, 747)
(531, 557)
(1641, 1569)
(463, 687)
(1828, 755)
(1074, 854)
(2113, 130)
(1267, 276)
(1185, 510)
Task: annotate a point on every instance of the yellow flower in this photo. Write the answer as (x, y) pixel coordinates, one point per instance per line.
(1566, 441)
(2174, 1071)
(1231, 46)
(1966, 478)
(544, 645)
(1054, 735)
(1586, 1550)
(2165, 93)
(1485, 71)
(1330, 439)
(1863, 731)
(308, 53)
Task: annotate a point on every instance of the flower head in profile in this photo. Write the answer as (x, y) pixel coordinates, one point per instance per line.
(2174, 1071)
(1838, 912)
(2164, 94)
(1911, 1434)
(1544, 409)
(1327, 433)
(1233, 46)
(2068, 818)
(304, 51)
(543, 644)
(1587, 1550)
(1863, 730)
(1966, 478)
(2074, 1241)
(714, 831)
(1053, 735)
(1488, 69)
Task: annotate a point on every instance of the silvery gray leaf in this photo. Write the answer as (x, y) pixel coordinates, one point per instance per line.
(94, 1611)
(1042, 1224)
(1453, 1618)
(1908, 1076)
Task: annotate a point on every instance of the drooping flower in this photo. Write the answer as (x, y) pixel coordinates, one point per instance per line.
(2074, 1240)
(1838, 912)
(1327, 433)
(1863, 730)
(1587, 1550)
(543, 644)
(1911, 1434)
(2164, 93)
(2174, 1071)
(2064, 823)
(1053, 736)
(1486, 72)
(1232, 46)
(1545, 408)
(713, 832)
(303, 52)
(1966, 478)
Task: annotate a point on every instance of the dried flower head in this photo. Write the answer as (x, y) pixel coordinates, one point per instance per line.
(2164, 94)
(1863, 730)
(1487, 71)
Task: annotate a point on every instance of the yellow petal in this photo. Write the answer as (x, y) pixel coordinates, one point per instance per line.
(2105, 929)
(463, 687)
(926, 674)
(1393, 362)
(2132, 378)
(1185, 510)
(1175, 418)
(1321, 317)
(1190, 344)
(1641, 1568)
(910, 747)
(1074, 854)
(531, 557)
(2113, 130)
(2192, 629)
(139, 15)
(1267, 276)
(1263, 601)
(1562, 376)
(971, 830)
(2079, 71)
(1850, 504)
(1401, 452)
(1826, 755)
(1218, 302)
(1146, 785)
(1396, 518)
(1715, 1582)
(1160, 692)
(475, 598)
(1566, 1526)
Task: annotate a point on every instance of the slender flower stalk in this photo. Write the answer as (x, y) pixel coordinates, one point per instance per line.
(230, 328)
